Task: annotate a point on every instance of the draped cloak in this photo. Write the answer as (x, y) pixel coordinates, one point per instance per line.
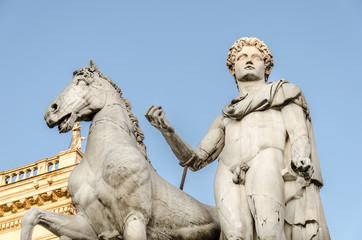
(304, 216)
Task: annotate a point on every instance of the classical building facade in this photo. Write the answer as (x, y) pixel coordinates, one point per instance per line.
(41, 184)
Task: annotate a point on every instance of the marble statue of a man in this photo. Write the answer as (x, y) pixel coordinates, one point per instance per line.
(268, 177)
(76, 137)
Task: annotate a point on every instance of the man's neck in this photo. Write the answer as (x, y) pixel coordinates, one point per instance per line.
(247, 87)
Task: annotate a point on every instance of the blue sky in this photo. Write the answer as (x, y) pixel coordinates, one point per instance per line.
(174, 54)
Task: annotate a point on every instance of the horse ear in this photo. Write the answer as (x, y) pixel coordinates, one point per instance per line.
(92, 65)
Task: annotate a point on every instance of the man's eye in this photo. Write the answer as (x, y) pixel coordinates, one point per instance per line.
(241, 57)
(256, 57)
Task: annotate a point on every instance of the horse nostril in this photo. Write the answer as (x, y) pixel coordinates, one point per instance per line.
(54, 107)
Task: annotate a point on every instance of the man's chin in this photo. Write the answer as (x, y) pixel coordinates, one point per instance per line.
(250, 77)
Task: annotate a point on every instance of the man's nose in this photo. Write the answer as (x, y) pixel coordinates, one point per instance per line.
(249, 62)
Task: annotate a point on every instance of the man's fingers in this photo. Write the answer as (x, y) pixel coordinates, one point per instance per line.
(305, 168)
(308, 174)
(305, 165)
(163, 121)
(162, 114)
(156, 117)
(154, 109)
(151, 110)
(150, 115)
(148, 110)
(301, 164)
(158, 112)
(295, 165)
(147, 113)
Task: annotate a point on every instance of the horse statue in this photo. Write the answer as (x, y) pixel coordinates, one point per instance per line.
(116, 192)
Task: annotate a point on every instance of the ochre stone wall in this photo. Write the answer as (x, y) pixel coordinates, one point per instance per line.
(41, 184)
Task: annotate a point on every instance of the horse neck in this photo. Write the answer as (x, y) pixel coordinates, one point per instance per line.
(110, 129)
(113, 113)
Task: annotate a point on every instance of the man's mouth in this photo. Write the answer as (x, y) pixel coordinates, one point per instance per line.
(249, 67)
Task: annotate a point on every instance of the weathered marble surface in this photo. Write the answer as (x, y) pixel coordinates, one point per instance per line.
(115, 190)
(268, 178)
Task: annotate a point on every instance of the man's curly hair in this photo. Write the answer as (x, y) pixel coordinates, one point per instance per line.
(254, 42)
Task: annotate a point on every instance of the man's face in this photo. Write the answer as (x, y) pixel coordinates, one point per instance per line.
(249, 65)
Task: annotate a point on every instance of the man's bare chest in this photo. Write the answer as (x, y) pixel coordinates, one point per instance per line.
(256, 130)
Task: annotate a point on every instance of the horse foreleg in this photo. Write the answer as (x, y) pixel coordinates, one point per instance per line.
(64, 226)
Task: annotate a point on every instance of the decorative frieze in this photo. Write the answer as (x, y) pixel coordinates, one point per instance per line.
(34, 201)
(14, 224)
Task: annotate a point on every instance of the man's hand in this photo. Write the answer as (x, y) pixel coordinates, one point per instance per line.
(303, 167)
(156, 116)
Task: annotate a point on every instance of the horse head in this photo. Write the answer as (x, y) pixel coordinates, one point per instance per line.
(129, 199)
(81, 100)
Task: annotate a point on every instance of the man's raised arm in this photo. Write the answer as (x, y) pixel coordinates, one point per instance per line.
(206, 152)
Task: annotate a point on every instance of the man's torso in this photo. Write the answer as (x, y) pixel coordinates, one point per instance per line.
(257, 131)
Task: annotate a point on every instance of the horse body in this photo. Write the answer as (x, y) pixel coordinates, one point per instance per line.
(115, 190)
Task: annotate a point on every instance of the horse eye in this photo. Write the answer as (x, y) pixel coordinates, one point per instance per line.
(82, 82)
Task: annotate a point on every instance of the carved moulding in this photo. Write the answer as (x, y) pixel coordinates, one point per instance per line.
(14, 211)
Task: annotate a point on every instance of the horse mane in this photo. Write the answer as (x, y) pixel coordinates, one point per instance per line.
(137, 131)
